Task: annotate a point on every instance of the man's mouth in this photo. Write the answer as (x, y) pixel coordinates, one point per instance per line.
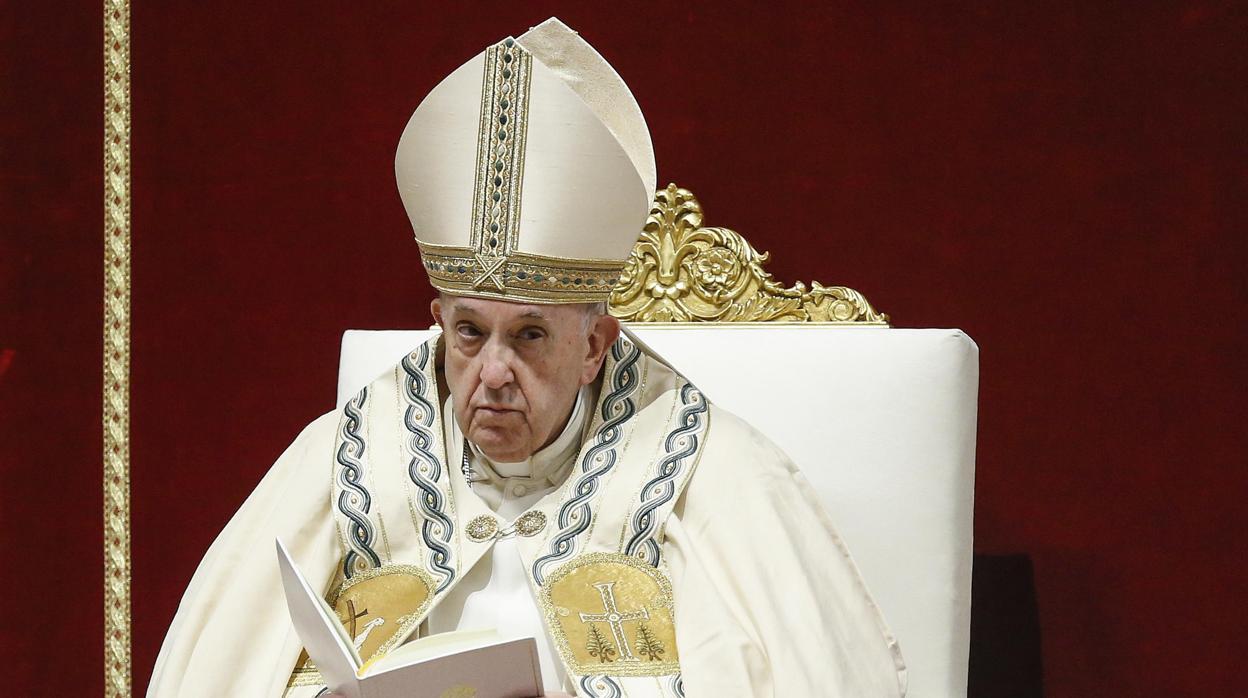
(494, 410)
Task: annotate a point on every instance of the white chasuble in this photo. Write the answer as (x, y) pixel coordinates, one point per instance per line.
(681, 555)
(496, 592)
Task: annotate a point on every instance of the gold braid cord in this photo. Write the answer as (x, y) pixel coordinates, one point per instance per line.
(117, 348)
(682, 272)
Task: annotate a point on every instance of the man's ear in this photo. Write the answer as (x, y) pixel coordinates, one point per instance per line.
(435, 307)
(602, 335)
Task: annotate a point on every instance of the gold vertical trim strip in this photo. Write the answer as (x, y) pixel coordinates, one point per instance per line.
(117, 659)
(501, 134)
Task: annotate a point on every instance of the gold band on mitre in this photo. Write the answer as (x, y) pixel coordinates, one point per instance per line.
(519, 276)
(527, 173)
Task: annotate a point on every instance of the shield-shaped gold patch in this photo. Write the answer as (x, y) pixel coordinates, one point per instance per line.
(612, 614)
(378, 608)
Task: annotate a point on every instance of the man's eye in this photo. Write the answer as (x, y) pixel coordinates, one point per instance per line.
(531, 333)
(468, 331)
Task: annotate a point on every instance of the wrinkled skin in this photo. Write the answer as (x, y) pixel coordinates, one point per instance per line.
(514, 369)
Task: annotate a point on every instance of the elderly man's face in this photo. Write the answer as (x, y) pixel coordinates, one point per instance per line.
(514, 369)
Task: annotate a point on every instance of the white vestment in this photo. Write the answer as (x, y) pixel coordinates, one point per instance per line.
(495, 593)
(764, 598)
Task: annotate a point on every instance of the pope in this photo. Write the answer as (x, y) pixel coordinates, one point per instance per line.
(534, 467)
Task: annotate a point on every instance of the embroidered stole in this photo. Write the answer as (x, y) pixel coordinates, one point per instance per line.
(411, 527)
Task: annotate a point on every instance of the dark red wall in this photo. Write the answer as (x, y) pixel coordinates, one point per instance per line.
(51, 276)
(1066, 183)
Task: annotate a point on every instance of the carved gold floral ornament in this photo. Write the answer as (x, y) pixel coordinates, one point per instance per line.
(681, 272)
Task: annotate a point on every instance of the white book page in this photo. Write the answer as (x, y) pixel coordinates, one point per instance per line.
(503, 669)
(434, 646)
(323, 636)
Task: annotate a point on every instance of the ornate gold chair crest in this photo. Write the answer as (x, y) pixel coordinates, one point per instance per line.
(680, 271)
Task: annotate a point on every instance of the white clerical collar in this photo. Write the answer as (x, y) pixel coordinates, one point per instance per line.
(545, 464)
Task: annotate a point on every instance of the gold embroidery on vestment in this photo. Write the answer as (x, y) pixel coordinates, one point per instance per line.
(530, 523)
(482, 528)
(486, 527)
(378, 608)
(612, 614)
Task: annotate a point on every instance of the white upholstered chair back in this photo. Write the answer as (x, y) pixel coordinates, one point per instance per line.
(882, 423)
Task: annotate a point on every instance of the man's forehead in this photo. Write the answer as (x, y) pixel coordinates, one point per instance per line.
(493, 307)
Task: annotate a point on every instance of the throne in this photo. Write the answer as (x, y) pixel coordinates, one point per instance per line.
(880, 420)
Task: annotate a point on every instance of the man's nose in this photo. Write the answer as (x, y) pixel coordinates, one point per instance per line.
(496, 362)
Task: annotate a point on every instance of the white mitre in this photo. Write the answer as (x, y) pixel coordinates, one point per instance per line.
(528, 172)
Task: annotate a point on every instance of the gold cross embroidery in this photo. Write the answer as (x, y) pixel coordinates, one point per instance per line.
(491, 270)
(615, 619)
(353, 616)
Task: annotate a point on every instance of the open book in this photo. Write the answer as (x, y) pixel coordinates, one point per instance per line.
(479, 663)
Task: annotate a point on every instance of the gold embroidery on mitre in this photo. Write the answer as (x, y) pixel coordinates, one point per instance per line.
(378, 608)
(612, 614)
(492, 265)
(524, 276)
(500, 160)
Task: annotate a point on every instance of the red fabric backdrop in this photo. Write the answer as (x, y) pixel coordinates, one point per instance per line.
(1066, 183)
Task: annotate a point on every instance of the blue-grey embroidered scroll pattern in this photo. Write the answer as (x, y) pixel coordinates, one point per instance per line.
(600, 687)
(618, 407)
(425, 468)
(677, 686)
(679, 446)
(354, 500)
